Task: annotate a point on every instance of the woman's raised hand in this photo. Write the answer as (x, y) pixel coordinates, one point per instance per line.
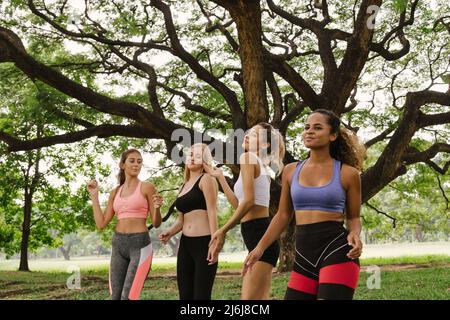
(92, 187)
(157, 200)
(215, 172)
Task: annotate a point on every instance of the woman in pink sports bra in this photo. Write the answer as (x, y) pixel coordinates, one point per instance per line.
(132, 251)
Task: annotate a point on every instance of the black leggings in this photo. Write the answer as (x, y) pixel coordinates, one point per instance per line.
(252, 231)
(322, 269)
(195, 277)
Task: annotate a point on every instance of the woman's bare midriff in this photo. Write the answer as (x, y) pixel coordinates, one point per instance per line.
(196, 223)
(314, 216)
(256, 212)
(131, 225)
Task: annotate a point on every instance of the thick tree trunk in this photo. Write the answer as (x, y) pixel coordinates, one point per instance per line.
(419, 233)
(174, 244)
(26, 225)
(30, 187)
(66, 253)
(390, 164)
(247, 15)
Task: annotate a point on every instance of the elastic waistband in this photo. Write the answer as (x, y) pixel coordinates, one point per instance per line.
(319, 227)
(128, 235)
(255, 222)
(208, 236)
(130, 214)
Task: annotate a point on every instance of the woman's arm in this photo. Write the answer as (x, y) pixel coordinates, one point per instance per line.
(218, 174)
(209, 187)
(279, 221)
(178, 225)
(165, 236)
(353, 211)
(102, 218)
(154, 203)
(285, 210)
(218, 238)
(248, 185)
(229, 193)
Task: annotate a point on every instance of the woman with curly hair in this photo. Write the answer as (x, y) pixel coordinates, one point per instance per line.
(321, 191)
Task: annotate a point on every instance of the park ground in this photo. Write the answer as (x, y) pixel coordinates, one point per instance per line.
(423, 273)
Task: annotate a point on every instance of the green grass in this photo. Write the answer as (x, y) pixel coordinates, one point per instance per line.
(412, 284)
(86, 265)
(428, 259)
(95, 265)
(55, 265)
(429, 279)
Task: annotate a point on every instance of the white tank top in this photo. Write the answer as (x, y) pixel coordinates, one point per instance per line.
(261, 185)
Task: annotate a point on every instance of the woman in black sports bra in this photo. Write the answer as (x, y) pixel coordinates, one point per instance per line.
(197, 204)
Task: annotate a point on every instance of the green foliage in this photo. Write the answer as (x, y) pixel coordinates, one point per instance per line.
(29, 109)
(58, 208)
(400, 5)
(416, 202)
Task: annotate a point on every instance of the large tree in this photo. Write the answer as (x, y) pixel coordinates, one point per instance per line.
(35, 194)
(233, 63)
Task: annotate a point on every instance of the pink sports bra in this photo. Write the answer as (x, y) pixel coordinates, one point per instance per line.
(134, 206)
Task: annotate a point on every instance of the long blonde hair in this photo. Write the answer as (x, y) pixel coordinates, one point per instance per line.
(206, 157)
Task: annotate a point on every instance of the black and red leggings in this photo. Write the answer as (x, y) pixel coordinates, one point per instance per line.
(322, 269)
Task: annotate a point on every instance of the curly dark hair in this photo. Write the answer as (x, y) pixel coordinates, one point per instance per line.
(346, 148)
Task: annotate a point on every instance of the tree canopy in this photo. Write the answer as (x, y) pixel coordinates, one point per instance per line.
(142, 69)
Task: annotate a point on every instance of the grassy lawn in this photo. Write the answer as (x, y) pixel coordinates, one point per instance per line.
(422, 277)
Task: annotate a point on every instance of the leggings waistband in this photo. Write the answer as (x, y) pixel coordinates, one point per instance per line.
(319, 227)
(208, 236)
(129, 235)
(265, 221)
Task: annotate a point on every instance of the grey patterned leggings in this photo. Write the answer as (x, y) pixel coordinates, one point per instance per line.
(131, 259)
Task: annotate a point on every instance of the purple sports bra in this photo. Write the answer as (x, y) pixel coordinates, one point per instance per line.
(329, 197)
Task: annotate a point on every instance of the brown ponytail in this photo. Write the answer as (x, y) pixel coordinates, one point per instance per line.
(346, 148)
(123, 158)
(275, 152)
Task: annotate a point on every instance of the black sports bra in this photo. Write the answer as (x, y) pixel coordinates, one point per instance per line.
(191, 200)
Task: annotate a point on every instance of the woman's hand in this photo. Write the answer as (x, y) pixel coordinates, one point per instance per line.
(164, 237)
(215, 245)
(212, 258)
(215, 172)
(157, 201)
(355, 242)
(92, 188)
(252, 257)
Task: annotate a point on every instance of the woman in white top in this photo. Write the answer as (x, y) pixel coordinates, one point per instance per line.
(250, 200)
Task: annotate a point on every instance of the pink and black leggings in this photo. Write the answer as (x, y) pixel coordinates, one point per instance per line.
(322, 269)
(131, 259)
